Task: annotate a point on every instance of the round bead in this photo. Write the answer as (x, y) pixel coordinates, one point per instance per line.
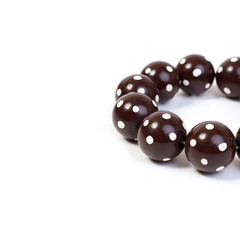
(196, 74)
(238, 143)
(165, 76)
(129, 112)
(210, 146)
(137, 83)
(228, 77)
(161, 136)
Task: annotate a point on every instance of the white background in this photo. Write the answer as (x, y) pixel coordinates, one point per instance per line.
(65, 172)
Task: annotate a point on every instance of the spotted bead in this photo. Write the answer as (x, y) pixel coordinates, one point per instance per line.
(161, 136)
(129, 111)
(165, 76)
(137, 83)
(228, 77)
(196, 74)
(210, 146)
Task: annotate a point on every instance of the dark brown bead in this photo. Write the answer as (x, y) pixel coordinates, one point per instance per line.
(137, 83)
(196, 74)
(210, 146)
(129, 112)
(165, 76)
(161, 136)
(228, 77)
(238, 143)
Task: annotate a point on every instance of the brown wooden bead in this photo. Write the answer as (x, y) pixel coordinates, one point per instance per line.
(129, 112)
(210, 146)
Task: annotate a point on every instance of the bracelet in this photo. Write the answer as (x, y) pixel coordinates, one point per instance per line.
(210, 146)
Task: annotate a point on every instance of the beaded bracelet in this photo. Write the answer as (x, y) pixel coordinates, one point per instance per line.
(210, 146)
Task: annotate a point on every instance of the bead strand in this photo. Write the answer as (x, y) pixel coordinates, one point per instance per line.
(210, 146)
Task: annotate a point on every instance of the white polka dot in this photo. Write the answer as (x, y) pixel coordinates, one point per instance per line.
(154, 125)
(230, 68)
(209, 126)
(154, 103)
(204, 161)
(149, 140)
(127, 105)
(183, 61)
(148, 70)
(172, 136)
(135, 109)
(119, 92)
(145, 123)
(169, 87)
(120, 103)
(186, 82)
(234, 59)
(220, 69)
(193, 143)
(152, 73)
(227, 90)
(121, 124)
(141, 90)
(220, 168)
(206, 59)
(188, 65)
(222, 147)
(166, 159)
(184, 126)
(137, 77)
(207, 85)
(170, 69)
(129, 86)
(197, 72)
(156, 98)
(166, 116)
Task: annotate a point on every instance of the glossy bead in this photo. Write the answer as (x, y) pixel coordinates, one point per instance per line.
(129, 112)
(210, 146)
(137, 83)
(228, 77)
(161, 136)
(196, 74)
(165, 76)
(238, 143)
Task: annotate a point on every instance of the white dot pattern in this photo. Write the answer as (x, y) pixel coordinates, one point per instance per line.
(183, 61)
(227, 90)
(166, 159)
(137, 77)
(121, 124)
(141, 90)
(193, 142)
(188, 65)
(149, 140)
(234, 59)
(145, 123)
(186, 82)
(135, 109)
(169, 87)
(119, 92)
(209, 126)
(148, 70)
(222, 147)
(172, 136)
(129, 86)
(154, 103)
(157, 98)
(166, 116)
(207, 85)
(204, 161)
(170, 69)
(197, 72)
(220, 69)
(120, 103)
(220, 168)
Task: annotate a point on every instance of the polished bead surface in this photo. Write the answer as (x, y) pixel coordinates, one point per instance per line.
(137, 83)
(196, 74)
(228, 77)
(161, 136)
(210, 146)
(129, 112)
(238, 143)
(165, 76)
